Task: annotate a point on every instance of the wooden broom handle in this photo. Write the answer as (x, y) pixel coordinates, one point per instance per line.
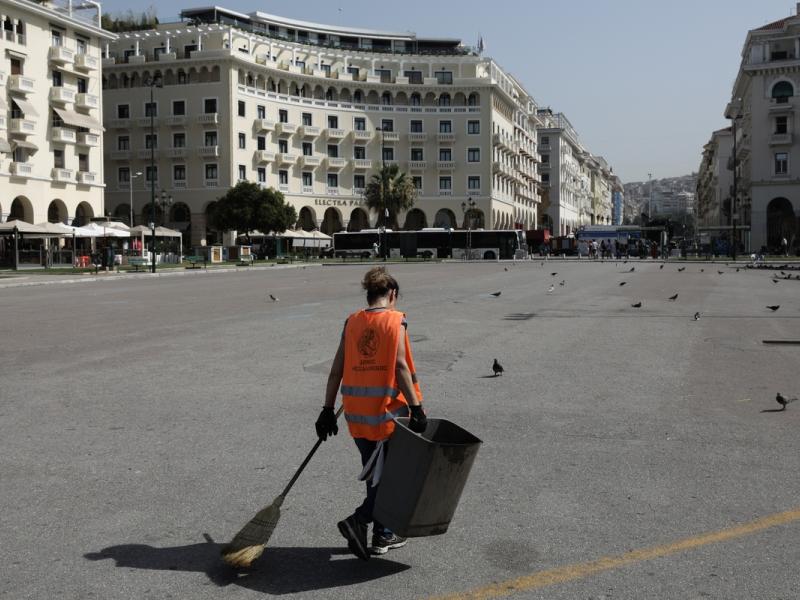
(308, 458)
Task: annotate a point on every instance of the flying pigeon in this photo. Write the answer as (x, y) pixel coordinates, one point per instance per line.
(681, 270)
(783, 401)
(632, 270)
(774, 308)
(673, 298)
(273, 298)
(553, 274)
(497, 368)
(496, 294)
(621, 283)
(637, 305)
(563, 283)
(697, 316)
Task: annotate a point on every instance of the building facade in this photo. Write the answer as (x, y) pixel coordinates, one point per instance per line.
(51, 139)
(715, 180)
(314, 111)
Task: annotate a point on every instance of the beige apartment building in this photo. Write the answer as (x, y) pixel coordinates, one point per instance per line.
(313, 111)
(51, 139)
(715, 181)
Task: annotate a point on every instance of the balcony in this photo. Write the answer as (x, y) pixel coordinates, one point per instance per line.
(283, 187)
(417, 136)
(446, 137)
(121, 123)
(334, 162)
(120, 154)
(336, 134)
(310, 161)
(332, 191)
(780, 139)
(391, 136)
(358, 191)
(180, 184)
(145, 121)
(308, 189)
(447, 165)
(61, 55)
(84, 62)
(21, 169)
(87, 101)
(22, 126)
(144, 154)
(62, 175)
(473, 192)
(445, 192)
(87, 177)
(362, 136)
(308, 131)
(3, 77)
(175, 121)
(264, 125)
(24, 85)
(417, 165)
(264, 156)
(285, 158)
(362, 164)
(208, 151)
(210, 183)
(286, 128)
(208, 118)
(62, 95)
(63, 135)
(177, 152)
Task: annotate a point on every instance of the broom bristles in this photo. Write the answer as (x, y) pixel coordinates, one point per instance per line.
(241, 559)
(250, 542)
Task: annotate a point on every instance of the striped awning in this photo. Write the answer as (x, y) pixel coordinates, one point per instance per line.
(70, 117)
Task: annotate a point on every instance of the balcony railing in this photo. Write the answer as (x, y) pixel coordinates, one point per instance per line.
(264, 156)
(3, 122)
(62, 175)
(286, 128)
(448, 165)
(18, 83)
(87, 101)
(145, 121)
(417, 165)
(208, 119)
(208, 151)
(22, 126)
(310, 161)
(283, 187)
(362, 136)
(62, 95)
(391, 136)
(335, 134)
(21, 169)
(332, 191)
(63, 135)
(144, 153)
(308, 189)
(120, 154)
(362, 163)
(446, 137)
(178, 152)
(121, 123)
(264, 125)
(84, 62)
(417, 136)
(780, 139)
(60, 54)
(175, 121)
(308, 131)
(285, 158)
(336, 162)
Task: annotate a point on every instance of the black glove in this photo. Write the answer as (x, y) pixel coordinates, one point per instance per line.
(418, 421)
(326, 423)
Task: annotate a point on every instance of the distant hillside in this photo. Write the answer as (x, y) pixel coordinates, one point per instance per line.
(637, 192)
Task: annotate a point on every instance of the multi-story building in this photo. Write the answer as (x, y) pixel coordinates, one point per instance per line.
(577, 185)
(617, 201)
(764, 111)
(51, 138)
(715, 180)
(313, 111)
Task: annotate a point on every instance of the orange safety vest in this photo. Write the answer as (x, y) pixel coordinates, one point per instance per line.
(369, 389)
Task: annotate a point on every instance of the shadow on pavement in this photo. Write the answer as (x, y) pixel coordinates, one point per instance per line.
(279, 570)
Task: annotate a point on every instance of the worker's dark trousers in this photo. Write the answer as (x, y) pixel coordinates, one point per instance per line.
(364, 512)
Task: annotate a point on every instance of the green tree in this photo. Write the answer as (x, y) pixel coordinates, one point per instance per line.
(247, 207)
(392, 189)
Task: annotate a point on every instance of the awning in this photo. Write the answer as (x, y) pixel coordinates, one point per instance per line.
(70, 117)
(5, 146)
(25, 106)
(25, 144)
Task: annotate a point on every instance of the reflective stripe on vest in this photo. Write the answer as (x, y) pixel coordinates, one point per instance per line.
(377, 419)
(368, 391)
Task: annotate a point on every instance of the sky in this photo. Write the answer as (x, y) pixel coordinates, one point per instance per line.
(643, 82)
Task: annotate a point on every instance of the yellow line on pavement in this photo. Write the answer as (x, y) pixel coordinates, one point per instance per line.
(581, 570)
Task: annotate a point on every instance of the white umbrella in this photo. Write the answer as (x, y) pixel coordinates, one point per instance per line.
(100, 231)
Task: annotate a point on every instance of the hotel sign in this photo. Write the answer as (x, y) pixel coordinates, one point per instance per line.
(339, 202)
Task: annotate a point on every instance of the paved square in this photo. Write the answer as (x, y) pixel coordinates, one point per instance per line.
(137, 415)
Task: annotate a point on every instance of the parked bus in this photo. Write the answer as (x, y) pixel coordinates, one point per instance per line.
(431, 243)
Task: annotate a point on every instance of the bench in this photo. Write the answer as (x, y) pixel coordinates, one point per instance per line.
(195, 261)
(136, 262)
(245, 261)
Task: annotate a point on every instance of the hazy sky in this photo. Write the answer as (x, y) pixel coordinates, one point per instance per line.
(644, 82)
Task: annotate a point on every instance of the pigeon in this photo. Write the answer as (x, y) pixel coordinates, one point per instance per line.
(774, 308)
(720, 272)
(505, 268)
(496, 294)
(273, 298)
(681, 270)
(624, 262)
(737, 269)
(783, 401)
(702, 270)
(553, 274)
(774, 281)
(551, 288)
(563, 283)
(632, 270)
(621, 283)
(637, 305)
(697, 316)
(542, 264)
(497, 368)
(661, 267)
(673, 298)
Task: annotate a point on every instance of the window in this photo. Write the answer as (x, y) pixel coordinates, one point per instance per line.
(333, 122)
(179, 140)
(308, 149)
(353, 71)
(326, 69)
(179, 173)
(473, 100)
(413, 76)
(261, 142)
(210, 138)
(384, 74)
(283, 177)
(300, 63)
(386, 99)
(473, 182)
(359, 182)
(387, 125)
(307, 119)
(242, 141)
(415, 127)
(283, 116)
(388, 154)
(211, 171)
(58, 159)
(473, 127)
(474, 155)
(444, 100)
(16, 66)
(308, 179)
(781, 125)
(83, 86)
(123, 111)
(123, 175)
(150, 109)
(57, 81)
(55, 38)
(545, 140)
(262, 175)
(181, 77)
(545, 177)
(333, 151)
(446, 183)
(333, 180)
(359, 123)
(444, 77)
(445, 127)
(417, 154)
(781, 163)
(241, 108)
(210, 107)
(358, 96)
(123, 142)
(445, 154)
(283, 146)
(80, 45)
(151, 141)
(359, 152)
(416, 99)
(242, 172)
(417, 180)
(261, 112)
(178, 108)
(782, 91)
(151, 173)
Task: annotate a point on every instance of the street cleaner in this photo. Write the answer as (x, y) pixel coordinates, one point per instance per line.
(375, 369)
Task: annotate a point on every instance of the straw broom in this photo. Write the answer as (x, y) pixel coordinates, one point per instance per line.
(252, 539)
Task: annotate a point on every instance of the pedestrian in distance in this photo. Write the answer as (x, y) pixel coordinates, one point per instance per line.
(375, 369)
(375, 250)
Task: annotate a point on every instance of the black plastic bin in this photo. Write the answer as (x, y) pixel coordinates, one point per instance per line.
(423, 477)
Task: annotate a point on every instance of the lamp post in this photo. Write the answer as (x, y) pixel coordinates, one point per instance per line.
(467, 208)
(383, 193)
(153, 82)
(735, 186)
(130, 184)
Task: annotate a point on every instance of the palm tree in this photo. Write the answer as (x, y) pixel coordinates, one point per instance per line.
(390, 189)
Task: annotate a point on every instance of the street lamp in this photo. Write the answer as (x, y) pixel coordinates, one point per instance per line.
(467, 208)
(382, 129)
(130, 183)
(153, 82)
(735, 194)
